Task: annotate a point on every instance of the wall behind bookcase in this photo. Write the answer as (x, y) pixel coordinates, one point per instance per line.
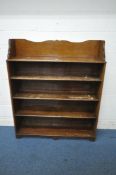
(77, 28)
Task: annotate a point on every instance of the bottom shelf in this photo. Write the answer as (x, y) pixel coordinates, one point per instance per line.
(54, 132)
(55, 127)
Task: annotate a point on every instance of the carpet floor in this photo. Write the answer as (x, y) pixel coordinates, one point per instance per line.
(41, 156)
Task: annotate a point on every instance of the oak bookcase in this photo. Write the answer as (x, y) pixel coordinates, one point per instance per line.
(56, 87)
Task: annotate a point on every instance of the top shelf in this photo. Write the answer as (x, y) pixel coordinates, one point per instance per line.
(54, 59)
(56, 51)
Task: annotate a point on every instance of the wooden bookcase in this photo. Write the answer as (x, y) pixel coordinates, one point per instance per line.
(56, 87)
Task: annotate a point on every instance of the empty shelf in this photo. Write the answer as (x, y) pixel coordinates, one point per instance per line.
(52, 132)
(59, 114)
(55, 96)
(62, 78)
(57, 59)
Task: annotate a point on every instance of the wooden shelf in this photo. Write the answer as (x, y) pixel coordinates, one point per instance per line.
(52, 132)
(55, 96)
(57, 114)
(56, 87)
(56, 59)
(61, 78)
(91, 51)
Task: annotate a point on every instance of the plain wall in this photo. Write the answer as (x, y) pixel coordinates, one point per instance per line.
(72, 28)
(64, 7)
